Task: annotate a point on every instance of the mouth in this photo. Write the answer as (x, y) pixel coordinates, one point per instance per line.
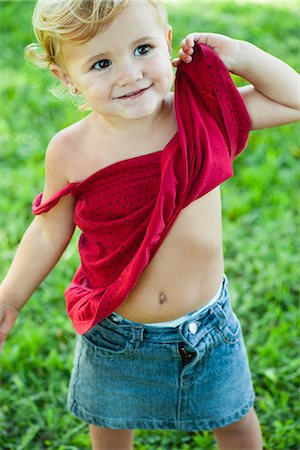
(134, 94)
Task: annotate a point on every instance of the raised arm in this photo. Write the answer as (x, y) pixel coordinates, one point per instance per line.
(273, 96)
(41, 246)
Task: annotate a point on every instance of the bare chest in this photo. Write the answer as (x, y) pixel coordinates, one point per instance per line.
(93, 154)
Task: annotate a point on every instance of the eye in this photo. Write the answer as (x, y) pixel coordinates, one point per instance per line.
(143, 49)
(103, 64)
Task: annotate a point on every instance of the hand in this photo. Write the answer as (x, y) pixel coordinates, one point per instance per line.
(8, 316)
(225, 47)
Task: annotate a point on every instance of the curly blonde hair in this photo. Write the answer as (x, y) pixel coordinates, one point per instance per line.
(67, 21)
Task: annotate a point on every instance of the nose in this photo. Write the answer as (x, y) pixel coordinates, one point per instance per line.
(128, 73)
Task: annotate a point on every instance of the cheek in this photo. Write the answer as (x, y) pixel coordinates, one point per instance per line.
(163, 70)
(97, 88)
(167, 75)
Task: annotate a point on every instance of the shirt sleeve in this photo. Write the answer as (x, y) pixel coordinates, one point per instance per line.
(221, 97)
(38, 207)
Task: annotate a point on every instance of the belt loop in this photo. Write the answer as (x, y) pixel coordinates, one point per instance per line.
(137, 334)
(219, 313)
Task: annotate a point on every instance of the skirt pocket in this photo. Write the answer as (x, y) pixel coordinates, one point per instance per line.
(230, 328)
(102, 340)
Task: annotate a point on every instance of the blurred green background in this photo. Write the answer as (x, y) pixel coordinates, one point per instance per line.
(261, 240)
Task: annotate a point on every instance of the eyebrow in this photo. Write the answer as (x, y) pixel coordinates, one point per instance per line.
(101, 55)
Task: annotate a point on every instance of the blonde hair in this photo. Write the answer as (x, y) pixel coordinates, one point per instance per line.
(67, 21)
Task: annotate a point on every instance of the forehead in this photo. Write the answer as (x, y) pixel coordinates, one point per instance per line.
(137, 17)
(136, 20)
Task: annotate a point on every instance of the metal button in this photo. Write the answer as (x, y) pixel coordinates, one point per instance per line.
(193, 327)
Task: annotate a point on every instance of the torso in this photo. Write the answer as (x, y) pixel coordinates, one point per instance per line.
(187, 270)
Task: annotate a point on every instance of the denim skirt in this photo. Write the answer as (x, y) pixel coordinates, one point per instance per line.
(191, 377)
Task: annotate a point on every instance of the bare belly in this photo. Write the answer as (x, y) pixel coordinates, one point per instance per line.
(186, 271)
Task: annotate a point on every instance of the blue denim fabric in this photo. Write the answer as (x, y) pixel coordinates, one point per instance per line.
(191, 377)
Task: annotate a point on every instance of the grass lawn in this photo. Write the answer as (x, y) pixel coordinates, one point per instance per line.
(261, 241)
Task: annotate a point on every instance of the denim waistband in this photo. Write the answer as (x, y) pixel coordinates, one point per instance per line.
(176, 322)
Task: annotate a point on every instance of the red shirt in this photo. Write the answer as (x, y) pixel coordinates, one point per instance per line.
(126, 209)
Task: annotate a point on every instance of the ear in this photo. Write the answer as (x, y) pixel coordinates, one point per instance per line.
(61, 74)
(169, 38)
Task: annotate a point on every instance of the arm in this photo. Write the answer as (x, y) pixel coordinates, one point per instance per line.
(41, 246)
(273, 97)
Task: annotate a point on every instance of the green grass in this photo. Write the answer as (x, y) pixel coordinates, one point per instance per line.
(261, 242)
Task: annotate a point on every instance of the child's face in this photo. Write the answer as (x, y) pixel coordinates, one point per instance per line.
(135, 55)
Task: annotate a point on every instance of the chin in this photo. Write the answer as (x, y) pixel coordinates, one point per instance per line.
(140, 113)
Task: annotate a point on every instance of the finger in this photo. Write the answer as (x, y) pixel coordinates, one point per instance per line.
(4, 330)
(3, 337)
(8, 321)
(184, 57)
(199, 38)
(188, 51)
(187, 44)
(2, 340)
(190, 40)
(176, 62)
(2, 314)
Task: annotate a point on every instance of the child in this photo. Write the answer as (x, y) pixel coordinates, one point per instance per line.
(158, 345)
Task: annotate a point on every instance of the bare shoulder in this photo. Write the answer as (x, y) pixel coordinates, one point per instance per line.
(63, 148)
(58, 161)
(59, 220)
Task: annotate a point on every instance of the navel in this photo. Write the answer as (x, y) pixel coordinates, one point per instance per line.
(162, 298)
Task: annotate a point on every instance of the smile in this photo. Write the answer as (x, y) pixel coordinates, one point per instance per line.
(133, 94)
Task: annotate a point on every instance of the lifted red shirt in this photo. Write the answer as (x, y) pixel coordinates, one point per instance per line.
(126, 209)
